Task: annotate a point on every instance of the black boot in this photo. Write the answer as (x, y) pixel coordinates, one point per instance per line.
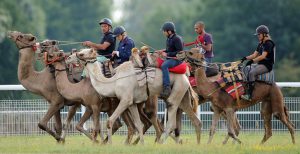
(248, 96)
(166, 92)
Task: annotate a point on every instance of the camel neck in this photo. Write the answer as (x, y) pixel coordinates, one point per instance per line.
(204, 86)
(70, 91)
(26, 65)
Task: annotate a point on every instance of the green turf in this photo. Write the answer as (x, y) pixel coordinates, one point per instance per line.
(278, 143)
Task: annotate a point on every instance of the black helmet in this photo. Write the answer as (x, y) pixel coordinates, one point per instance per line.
(118, 31)
(168, 26)
(262, 29)
(105, 21)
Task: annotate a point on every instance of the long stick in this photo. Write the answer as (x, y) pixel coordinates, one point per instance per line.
(148, 46)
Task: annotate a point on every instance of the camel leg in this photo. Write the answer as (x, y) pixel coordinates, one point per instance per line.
(215, 120)
(58, 124)
(283, 117)
(53, 108)
(237, 128)
(266, 113)
(146, 121)
(87, 114)
(130, 126)
(171, 123)
(123, 105)
(96, 122)
(230, 124)
(151, 110)
(137, 121)
(66, 125)
(176, 135)
(187, 108)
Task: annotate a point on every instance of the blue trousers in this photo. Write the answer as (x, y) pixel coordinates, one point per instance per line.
(168, 63)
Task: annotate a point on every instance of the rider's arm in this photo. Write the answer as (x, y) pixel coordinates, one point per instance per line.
(252, 56)
(261, 57)
(100, 46)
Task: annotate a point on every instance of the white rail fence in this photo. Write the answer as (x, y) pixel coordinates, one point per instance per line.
(21, 117)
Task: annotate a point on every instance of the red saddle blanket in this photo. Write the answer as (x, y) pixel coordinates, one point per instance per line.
(232, 91)
(192, 81)
(179, 69)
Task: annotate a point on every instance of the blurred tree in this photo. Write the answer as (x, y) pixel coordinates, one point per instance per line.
(75, 20)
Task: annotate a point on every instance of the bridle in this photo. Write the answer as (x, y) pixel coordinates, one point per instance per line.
(86, 60)
(28, 45)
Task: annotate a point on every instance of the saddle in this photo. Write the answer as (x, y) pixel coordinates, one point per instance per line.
(179, 69)
(231, 79)
(108, 67)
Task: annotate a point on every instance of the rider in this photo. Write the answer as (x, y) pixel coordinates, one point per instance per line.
(264, 56)
(123, 52)
(203, 40)
(108, 42)
(174, 44)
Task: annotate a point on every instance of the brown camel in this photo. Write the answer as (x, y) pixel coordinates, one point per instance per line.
(84, 93)
(270, 96)
(35, 82)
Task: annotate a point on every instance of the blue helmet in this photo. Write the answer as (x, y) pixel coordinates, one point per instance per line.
(168, 26)
(105, 21)
(118, 31)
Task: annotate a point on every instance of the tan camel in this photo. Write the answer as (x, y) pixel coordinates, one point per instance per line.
(34, 82)
(125, 75)
(149, 61)
(84, 93)
(270, 96)
(122, 85)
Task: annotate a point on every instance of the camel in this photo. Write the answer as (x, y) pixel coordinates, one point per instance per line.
(149, 61)
(122, 85)
(84, 93)
(125, 75)
(34, 82)
(270, 96)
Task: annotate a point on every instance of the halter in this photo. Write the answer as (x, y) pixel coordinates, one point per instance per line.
(86, 61)
(28, 45)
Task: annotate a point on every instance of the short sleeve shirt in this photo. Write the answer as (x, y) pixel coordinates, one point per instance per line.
(108, 37)
(268, 47)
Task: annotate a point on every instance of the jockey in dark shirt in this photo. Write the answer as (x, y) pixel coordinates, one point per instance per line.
(174, 44)
(108, 42)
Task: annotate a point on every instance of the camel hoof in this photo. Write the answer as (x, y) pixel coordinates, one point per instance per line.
(180, 141)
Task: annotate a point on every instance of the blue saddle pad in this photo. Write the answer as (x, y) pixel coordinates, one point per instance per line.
(266, 77)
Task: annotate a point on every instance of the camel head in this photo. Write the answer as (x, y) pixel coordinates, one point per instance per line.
(49, 46)
(194, 54)
(22, 40)
(83, 56)
(135, 57)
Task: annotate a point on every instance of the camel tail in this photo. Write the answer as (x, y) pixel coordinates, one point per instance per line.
(195, 99)
(286, 112)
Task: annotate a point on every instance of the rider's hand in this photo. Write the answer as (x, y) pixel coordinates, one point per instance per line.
(164, 54)
(87, 43)
(249, 62)
(243, 59)
(115, 53)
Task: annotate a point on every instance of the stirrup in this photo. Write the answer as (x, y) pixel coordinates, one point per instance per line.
(246, 97)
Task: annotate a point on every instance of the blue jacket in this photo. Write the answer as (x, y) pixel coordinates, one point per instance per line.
(124, 49)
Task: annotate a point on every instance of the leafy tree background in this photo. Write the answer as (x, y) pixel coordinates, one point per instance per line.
(231, 22)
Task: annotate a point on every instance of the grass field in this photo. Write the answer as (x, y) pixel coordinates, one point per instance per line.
(278, 143)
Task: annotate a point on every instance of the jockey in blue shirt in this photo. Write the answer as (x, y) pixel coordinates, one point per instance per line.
(123, 52)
